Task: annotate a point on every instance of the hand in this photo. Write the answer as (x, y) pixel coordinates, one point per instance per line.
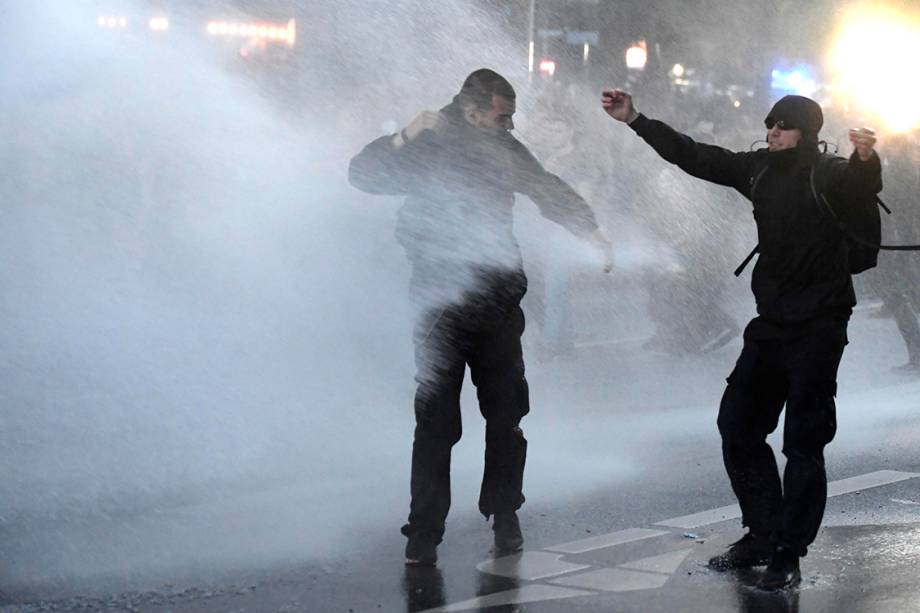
(619, 105)
(426, 120)
(863, 140)
(600, 241)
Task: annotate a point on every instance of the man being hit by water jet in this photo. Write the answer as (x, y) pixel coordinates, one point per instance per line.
(459, 169)
(804, 292)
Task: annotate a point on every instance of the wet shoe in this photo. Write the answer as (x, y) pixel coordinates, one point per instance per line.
(750, 551)
(782, 572)
(507, 531)
(421, 549)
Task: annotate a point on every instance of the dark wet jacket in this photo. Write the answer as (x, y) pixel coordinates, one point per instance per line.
(802, 272)
(456, 224)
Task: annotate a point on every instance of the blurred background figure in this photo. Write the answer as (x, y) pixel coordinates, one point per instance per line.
(554, 133)
(896, 280)
(696, 220)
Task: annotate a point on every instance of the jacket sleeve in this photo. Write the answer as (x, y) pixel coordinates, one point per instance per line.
(855, 176)
(380, 169)
(555, 198)
(707, 162)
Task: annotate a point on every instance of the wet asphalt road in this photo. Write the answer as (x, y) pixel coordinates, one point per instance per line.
(863, 560)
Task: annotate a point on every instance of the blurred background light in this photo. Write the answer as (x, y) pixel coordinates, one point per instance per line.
(873, 60)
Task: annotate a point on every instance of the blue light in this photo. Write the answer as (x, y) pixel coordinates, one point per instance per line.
(798, 80)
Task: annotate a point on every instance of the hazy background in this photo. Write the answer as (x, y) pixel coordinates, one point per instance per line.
(205, 354)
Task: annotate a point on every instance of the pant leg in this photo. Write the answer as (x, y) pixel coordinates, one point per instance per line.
(440, 367)
(896, 298)
(749, 412)
(811, 423)
(497, 370)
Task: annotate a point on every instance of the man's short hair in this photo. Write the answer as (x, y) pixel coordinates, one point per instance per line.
(481, 85)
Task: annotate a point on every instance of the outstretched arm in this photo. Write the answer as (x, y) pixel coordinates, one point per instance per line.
(707, 162)
(558, 202)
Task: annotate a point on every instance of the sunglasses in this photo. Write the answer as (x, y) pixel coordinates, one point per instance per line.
(779, 123)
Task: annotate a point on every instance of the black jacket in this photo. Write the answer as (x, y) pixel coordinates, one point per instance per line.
(456, 223)
(802, 272)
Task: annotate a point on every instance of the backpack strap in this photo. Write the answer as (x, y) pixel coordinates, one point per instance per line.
(821, 199)
(747, 260)
(756, 248)
(756, 181)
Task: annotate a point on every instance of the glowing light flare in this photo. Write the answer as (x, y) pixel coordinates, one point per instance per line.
(108, 21)
(637, 56)
(678, 70)
(159, 24)
(548, 67)
(291, 32)
(275, 32)
(870, 59)
(797, 81)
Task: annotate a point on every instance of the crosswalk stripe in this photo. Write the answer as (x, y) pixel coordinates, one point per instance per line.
(835, 488)
(606, 540)
(529, 565)
(528, 593)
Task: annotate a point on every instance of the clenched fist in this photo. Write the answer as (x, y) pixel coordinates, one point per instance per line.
(619, 105)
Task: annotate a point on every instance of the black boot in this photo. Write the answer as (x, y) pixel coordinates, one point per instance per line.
(751, 550)
(422, 547)
(507, 531)
(782, 572)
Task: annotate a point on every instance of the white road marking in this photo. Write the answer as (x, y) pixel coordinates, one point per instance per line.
(647, 573)
(666, 563)
(703, 518)
(529, 565)
(835, 488)
(904, 501)
(867, 481)
(606, 540)
(528, 593)
(614, 580)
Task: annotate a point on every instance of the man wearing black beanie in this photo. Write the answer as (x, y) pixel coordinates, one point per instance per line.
(804, 294)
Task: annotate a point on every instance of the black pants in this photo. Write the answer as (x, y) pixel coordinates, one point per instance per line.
(894, 281)
(800, 372)
(445, 342)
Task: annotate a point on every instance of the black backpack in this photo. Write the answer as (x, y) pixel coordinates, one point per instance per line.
(857, 218)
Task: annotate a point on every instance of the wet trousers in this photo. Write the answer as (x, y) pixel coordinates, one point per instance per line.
(801, 373)
(445, 343)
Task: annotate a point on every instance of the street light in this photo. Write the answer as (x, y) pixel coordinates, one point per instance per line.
(159, 24)
(548, 67)
(637, 56)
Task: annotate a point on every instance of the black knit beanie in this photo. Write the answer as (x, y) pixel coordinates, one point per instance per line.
(798, 112)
